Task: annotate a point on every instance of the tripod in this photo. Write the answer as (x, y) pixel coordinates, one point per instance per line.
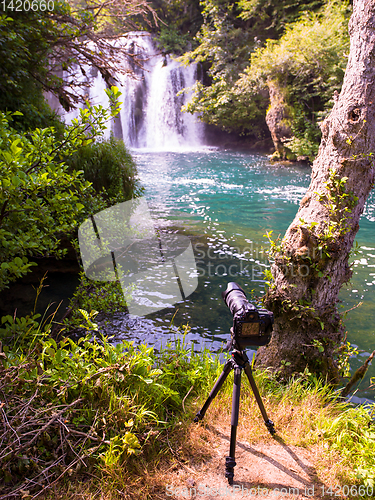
(238, 362)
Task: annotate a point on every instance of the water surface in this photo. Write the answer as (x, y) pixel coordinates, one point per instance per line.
(226, 202)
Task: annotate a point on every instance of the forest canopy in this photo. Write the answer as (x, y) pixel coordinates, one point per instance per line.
(305, 55)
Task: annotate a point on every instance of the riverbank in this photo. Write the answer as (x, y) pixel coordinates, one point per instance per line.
(313, 455)
(94, 420)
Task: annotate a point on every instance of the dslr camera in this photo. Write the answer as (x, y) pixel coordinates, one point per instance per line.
(251, 326)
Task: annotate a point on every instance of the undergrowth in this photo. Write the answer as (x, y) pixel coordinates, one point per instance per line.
(307, 413)
(120, 414)
(310, 413)
(87, 406)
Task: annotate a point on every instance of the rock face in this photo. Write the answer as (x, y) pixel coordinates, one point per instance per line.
(278, 121)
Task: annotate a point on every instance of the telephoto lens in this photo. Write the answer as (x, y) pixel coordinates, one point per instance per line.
(235, 298)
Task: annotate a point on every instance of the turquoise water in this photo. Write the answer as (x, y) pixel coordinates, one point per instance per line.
(226, 202)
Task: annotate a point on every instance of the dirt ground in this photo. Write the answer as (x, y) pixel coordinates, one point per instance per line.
(271, 470)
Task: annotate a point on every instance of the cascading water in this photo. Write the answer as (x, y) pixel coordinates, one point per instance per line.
(150, 116)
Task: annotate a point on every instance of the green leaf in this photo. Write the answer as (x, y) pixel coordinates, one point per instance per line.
(16, 181)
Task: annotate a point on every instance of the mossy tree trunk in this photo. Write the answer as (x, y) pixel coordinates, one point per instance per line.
(311, 262)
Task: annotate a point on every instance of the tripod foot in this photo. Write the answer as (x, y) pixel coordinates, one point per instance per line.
(230, 463)
(198, 417)
(271, 427)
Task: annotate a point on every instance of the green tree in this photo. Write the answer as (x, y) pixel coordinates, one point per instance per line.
(229, 35)
(311, 262)
(109, 167)
(179, 23)
(41, 199)
(307, 66)
(269, 18)
(42, 50)
(223, 50)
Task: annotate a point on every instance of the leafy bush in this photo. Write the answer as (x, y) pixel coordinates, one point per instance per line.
(170, 40)
(109, 167)
(105, 297)
(229, 109)
(40, 198)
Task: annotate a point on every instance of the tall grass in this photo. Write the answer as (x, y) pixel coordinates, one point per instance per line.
(89, 405)
(116, 413)
(310, 413)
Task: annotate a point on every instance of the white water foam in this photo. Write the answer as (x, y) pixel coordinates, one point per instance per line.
(150, 118)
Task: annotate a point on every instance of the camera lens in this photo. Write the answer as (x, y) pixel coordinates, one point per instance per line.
(234, 297)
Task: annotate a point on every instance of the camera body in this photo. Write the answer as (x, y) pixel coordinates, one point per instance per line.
(251, 326)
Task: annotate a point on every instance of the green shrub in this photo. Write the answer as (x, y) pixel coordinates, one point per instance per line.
(309, 62)
(40, 199)
(170, 40)
(110, 168)
(352, 434)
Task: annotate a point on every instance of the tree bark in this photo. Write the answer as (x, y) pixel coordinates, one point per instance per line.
(311, 261)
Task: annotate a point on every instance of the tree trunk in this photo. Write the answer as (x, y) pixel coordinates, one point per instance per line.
(311, 262)
(278, 121)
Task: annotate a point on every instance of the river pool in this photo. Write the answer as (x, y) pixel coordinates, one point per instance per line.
(226, 202)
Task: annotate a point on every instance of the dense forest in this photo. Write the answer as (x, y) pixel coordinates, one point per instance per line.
(270, 63)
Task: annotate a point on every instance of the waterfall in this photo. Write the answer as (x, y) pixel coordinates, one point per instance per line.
(150, 115)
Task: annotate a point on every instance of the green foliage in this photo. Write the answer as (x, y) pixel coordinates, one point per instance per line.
(40, 199)
(314, 48)
(224, 50)
(352, 434)
(18, 91)
(339, 204)
(221, 40)
(100, 296)
(179, 23)
(309, 61)
(170, 40)
(27, 42)
(42, 47)
(105, 297)
(306, 134)
(228, 108)
(340, 428)
(347, 350)
(109, 167)
(269, 17)
(90, 403)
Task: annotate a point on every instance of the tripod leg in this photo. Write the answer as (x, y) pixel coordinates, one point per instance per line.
(216, 388)
(230, 461)
(269, 424)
